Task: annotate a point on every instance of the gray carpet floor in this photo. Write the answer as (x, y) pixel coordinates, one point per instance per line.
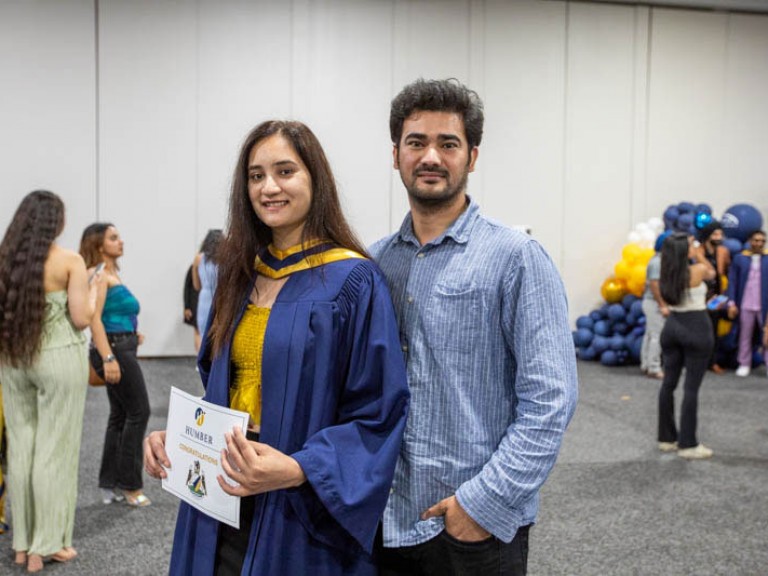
(613, 504)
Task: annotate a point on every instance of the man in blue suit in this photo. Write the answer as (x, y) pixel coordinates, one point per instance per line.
(748, 296)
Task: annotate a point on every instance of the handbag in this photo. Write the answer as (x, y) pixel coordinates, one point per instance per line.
(94, 379)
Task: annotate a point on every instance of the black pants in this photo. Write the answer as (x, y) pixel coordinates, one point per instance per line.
(121, 461)
(446, 556)
(686, 342)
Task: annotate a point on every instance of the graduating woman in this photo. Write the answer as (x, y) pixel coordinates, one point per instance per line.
(304, 338)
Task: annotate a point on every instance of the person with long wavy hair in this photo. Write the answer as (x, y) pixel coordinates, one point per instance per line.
(113, 355)
(304, 339)
(45, 303)
(686, 342)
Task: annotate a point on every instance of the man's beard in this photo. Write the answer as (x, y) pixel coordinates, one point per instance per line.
(436, 200)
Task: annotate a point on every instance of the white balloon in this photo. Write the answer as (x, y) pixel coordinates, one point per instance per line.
(642, 227)
(633, 237)
(656, 224)
(648, 235)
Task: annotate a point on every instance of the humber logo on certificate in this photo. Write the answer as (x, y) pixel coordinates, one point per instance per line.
(194, 441)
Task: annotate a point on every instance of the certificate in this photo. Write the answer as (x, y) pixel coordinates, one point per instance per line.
(194, 439)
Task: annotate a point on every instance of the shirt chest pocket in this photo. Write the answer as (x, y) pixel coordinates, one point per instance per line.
(454, 317)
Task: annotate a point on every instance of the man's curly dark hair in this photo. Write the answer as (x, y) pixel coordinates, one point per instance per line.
(438, 96)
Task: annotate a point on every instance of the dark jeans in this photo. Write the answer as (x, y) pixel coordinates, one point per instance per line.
(121, 461)
(686, 342)
(446, 556)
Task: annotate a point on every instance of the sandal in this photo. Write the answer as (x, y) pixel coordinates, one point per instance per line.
(21, 558)
(138, 501)
(34, 563)
(64, 555)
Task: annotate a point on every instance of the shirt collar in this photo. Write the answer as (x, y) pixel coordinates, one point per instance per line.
(458, 231)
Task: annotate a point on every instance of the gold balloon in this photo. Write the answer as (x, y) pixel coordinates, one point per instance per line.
(636, 283)
(613, 289)
(631, 253)
(621, 270)
(646, 255)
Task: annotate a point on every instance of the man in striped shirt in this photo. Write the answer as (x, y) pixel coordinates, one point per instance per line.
(491, 366)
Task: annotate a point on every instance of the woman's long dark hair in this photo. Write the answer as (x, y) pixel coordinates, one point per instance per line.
(675, 275)
(247, 235)
(39, 219)
(210, 245)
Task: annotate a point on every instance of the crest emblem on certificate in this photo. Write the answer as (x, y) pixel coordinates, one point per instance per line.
(196, 479)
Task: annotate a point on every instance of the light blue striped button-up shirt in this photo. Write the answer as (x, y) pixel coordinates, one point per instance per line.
(491, 369)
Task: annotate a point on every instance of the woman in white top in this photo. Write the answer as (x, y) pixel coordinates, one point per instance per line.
(686, 342)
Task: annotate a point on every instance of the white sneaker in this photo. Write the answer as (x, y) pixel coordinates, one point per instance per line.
(698, 452)
(108, 496)
(667, 446)
(743, 371)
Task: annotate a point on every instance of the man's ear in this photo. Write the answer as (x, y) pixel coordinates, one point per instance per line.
(473, 158)
(395, 162)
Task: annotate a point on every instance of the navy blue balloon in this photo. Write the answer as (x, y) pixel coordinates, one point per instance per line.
(596, 315)
(604, 309)
(686, 208)
(637, 307)
(582, 337)
(599, 344)
(638, 330)
(671, 214)
(631, 319)
(609, 358)
(702, 219)
(585, 322)
(740, 220)
(685, 222)
(733, 245)
(704, 207)
(641, 321)
(587, 353)
(620, 328)
(616, 342)
(602, 328)
(635, 349)
(616, 312)
(628, 300)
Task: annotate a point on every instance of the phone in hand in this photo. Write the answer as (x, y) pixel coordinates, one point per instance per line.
(717, 302)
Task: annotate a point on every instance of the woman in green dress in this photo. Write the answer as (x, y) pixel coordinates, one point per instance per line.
(45, 302)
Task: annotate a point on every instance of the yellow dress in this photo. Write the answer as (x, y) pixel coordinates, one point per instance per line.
(247, 347)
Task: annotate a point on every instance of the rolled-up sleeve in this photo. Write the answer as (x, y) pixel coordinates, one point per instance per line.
(545, 389)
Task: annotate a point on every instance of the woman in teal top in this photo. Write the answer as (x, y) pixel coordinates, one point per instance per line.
(113, 354)
(46, 303)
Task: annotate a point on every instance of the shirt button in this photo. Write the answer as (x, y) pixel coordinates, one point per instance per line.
(410, 299)
(420, 255)
(405, 348)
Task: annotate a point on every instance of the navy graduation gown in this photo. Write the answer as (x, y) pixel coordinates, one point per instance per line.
(334, 396)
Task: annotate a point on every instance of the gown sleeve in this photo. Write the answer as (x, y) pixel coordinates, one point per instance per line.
(350, 464)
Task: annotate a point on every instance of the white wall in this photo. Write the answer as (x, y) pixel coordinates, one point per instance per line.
(598, 116)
